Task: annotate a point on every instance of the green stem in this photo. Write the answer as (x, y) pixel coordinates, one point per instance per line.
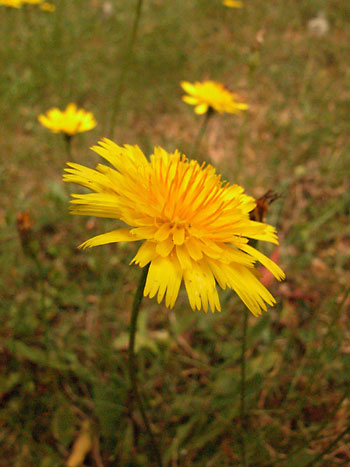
(58, 48)
(42, 282)
(201, 132)
(304, 360)
(240, 147)
(44, 311)
(124, 69)
(243, 384)
(326, 451)
(133, 364)
(314, 437)
(68, 143)
(31, 248)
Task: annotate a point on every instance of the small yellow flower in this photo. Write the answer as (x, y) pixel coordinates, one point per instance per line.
(194, 227)
(11, 3)
(211, 95)
(47, 7)
(69, 122)
(232, 3)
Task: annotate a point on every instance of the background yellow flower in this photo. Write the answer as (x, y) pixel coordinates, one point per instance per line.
(194, 227)
(11, 3)
(210, 94)
(45, 6)
(70, 121)
(232, 3)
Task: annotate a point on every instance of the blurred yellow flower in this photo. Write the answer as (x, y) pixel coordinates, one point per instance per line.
(45, 6)
(194, 226)
(70, 121)
(11, 3)
(211, 95)
(232, 3)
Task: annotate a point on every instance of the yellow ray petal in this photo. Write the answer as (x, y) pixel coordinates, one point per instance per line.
(265, 261)
(164, 277)
(165, 247)
(201, 109)
(183, 257)
(249, 288)
(200, 286)
(188, 87)
(120, 235)
(179, 236)
(190, 100)
(193, 248)
(146, 253)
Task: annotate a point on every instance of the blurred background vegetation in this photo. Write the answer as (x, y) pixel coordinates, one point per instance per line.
(65, 313)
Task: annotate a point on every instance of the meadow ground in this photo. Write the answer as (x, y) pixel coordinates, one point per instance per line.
(65, 313)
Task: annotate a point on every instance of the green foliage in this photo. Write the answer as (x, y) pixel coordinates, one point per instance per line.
(64, 313)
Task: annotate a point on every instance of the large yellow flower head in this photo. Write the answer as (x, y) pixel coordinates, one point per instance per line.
(232, 3)
(69, 122)
(211, 95)
(194, 227)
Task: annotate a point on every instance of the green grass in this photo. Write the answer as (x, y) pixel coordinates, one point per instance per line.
(64, 327)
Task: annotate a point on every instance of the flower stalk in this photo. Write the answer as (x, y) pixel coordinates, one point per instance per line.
(127, 60)
(68, 144)
(243, 385)
(31, 249)
(133, 364)
(200, 134)
(329, 448)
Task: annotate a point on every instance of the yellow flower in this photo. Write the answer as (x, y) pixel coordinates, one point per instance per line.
(11, 3)
(232, 3)
(194, 227)
(211, 95)
(47, 7)
(70, 121)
